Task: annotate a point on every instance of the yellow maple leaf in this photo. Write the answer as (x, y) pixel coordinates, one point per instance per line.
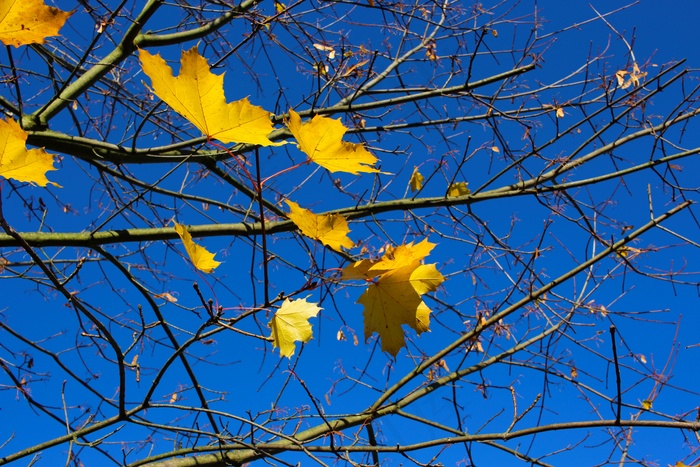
(198, 95)
(29, 22)
(394, 300)
(416, 182)
(359, 270)
(17, 162)
(409, 254)
(291, 324)
(393, 258)
(200, 257)
(329, 229)
(322, 140)
(458, 189)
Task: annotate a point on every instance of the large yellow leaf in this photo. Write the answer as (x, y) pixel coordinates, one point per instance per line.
(200, 257)
(291, 324)
(329, 229)
(17, 162)
(29, 21)
(198, 95)
(395, 300)
(322, 140)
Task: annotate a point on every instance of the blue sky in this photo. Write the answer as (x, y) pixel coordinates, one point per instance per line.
(250, 378)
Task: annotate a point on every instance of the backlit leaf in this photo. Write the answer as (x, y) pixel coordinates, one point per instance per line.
(18, 163)
(394, 297)
(29, 22)
(416, 182)
(359, 270)
(409, 254)
(291, 324)
(330, 229)
(200, 257)
(458, 189)
(395, 300)
(198, 95)
(321, 139)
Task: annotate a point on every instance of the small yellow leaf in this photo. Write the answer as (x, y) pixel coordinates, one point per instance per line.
(646, 404)
(416, 182)
(280, 7)
(458, 189)
(495, 149)
(560, 112)
(321, 139)
(29, 22)
(200, 257)
(198, 95)
(291, 324)
(17, 162)
(330, 229)
(623, 251)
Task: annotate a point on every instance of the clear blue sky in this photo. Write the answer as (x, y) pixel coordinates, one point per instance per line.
(253, 378)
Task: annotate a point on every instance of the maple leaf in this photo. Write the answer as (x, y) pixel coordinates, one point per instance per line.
(409, 254)
(322, 140)
(458, 189)
(291, 324)
(330, 229)
(17, 162)
(394, 258)
(416, 182)
(200, 257)
(394, 300)
(360, 270)
(29, 22)
(198, 95)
